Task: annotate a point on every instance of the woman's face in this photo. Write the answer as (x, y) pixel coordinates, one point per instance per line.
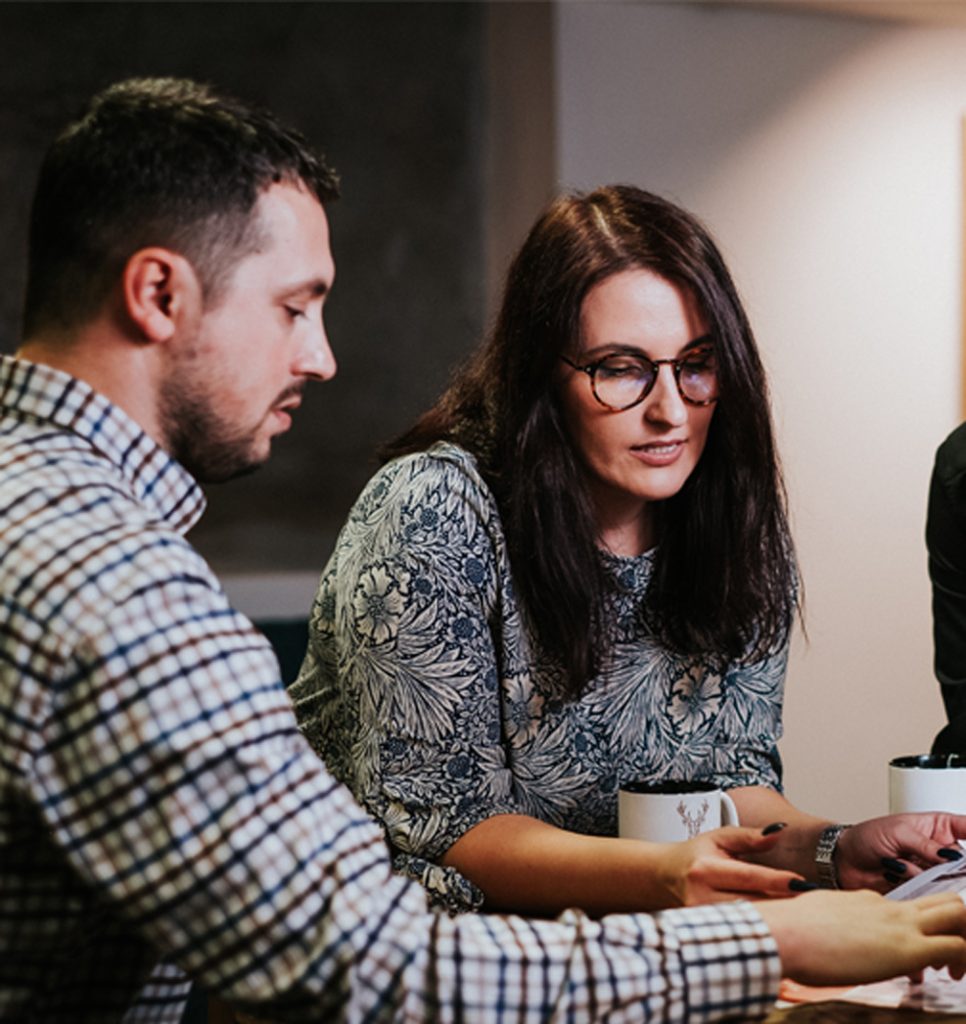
(645, 453)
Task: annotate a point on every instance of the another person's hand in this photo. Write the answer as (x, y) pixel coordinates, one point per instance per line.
(881, 852)
(850, 938)
(710, 868)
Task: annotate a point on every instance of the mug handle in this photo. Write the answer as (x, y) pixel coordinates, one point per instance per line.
(729, 813)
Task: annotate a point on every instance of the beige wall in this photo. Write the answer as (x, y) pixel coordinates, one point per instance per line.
(824, 154)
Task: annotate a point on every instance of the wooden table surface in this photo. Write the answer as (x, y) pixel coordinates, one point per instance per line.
(832, 1012)
(855, 1013)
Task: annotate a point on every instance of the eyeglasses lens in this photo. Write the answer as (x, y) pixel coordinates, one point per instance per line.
(698, 379)
(621, 382)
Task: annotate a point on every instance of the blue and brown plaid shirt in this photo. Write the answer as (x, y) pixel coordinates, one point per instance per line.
(162, 817)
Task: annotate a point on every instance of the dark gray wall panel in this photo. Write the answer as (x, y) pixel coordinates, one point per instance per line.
(394, 94)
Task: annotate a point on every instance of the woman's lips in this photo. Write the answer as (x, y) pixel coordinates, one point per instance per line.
(658, 453)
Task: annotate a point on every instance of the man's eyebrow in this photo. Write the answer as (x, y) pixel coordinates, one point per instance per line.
(314, 288)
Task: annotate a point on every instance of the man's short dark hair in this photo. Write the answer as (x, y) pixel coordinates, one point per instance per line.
(154, 161)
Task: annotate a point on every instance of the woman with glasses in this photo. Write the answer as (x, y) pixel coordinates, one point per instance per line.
(573, 571)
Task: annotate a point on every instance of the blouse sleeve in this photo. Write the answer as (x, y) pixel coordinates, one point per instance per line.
(399, 689)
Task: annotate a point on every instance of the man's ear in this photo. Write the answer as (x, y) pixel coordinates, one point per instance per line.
(161, 292)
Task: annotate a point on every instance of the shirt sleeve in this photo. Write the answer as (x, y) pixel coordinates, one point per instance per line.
(946, 544)
(400, 687)
(173, 779)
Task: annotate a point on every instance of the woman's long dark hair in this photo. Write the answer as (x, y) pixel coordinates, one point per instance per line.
(724, 580)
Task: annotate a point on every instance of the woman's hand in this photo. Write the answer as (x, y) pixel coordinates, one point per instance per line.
(848, 938)
(881, 852)
(710, 868)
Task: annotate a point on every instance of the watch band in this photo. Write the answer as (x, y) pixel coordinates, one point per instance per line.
(828, 877)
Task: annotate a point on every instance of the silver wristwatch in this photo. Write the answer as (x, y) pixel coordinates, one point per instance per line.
(828, 877)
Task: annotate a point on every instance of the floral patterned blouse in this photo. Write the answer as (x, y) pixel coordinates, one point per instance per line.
(425, 692)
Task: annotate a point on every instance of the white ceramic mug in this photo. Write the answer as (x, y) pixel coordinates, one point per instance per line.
(928, 782)
(670, 811)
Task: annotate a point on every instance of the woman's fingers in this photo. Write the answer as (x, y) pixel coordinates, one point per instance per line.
(731, 879)
(711, 868)
(885, 845)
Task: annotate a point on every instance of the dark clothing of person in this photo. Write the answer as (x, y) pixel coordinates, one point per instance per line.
(946, 543)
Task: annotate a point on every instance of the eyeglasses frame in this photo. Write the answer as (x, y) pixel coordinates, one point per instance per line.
(676, 364)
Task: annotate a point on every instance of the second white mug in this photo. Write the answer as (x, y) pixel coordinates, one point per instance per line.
(927, 782)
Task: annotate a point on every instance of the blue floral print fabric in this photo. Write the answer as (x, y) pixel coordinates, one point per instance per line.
(427, 694)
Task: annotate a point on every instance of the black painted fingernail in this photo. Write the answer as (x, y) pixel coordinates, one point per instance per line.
(775, 826)
(800, 885)
(892, 864)
(950, 854)
(892, 878)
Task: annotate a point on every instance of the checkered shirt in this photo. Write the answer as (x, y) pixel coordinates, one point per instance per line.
(161, 816)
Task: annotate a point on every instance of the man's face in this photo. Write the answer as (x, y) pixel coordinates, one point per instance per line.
(232, 385)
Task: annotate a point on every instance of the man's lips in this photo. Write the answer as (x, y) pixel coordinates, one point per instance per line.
(283, 409)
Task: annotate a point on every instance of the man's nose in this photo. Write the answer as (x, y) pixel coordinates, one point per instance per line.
(316, 359)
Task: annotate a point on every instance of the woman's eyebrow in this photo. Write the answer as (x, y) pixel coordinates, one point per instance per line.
(623, 348)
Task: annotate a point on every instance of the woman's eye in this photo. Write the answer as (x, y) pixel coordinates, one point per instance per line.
(294, 313)
(701, 360)
(618, 370)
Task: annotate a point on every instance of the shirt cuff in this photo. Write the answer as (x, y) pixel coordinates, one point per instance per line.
(728, 958)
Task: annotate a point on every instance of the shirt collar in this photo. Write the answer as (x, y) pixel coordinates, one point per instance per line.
(39, 392)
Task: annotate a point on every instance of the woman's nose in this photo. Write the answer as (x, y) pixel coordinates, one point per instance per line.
(664, 404)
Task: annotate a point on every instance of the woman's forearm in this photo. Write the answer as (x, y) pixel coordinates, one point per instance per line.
(525, 865)
(528, 866)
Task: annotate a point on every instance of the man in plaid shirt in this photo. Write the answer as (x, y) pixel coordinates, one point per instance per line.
(161, 818)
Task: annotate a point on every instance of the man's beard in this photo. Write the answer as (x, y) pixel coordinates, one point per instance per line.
(211, 449)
